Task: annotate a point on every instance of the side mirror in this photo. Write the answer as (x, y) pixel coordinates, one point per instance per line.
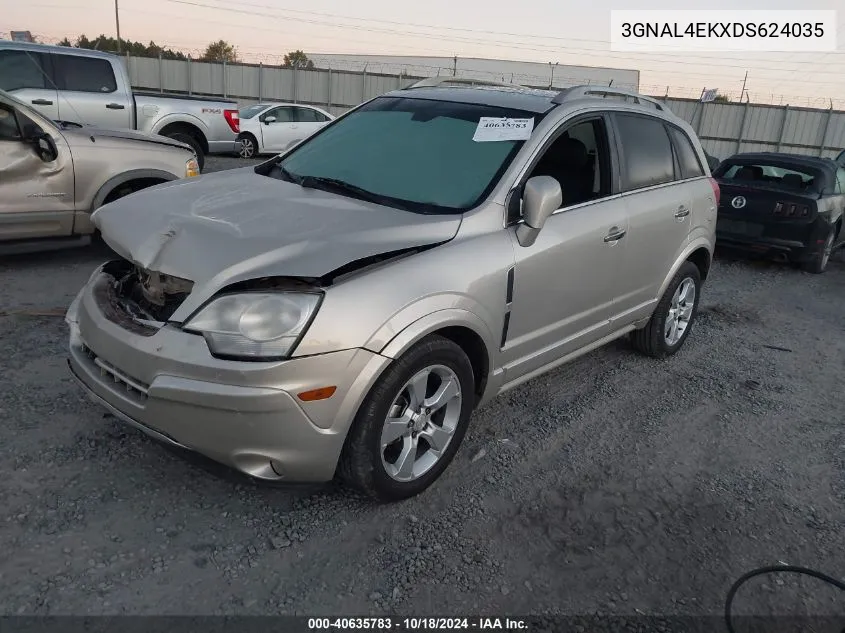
(42, 142)
(542, 196)
(269, 120)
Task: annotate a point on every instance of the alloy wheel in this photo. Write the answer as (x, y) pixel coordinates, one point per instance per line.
(247, 148)
(680, 312)
(420, 423)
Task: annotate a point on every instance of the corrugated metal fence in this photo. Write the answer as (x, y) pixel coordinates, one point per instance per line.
(723, 128)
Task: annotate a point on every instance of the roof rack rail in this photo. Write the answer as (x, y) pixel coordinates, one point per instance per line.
(576, 92)
(432, 82)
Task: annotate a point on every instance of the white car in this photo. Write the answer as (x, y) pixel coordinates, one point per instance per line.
(270, 128)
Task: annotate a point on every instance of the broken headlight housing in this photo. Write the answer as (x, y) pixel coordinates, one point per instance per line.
(257, 326)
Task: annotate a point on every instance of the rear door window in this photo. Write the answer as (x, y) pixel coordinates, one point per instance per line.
(687, 157)
(646, 151)
(84, 74)
(22, 69)
(308, 115)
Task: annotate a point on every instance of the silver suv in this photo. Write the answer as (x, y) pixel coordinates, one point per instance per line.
(341, 309)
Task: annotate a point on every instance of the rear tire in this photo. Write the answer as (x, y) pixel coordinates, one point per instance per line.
(818, 264)
(673, 318)
(396, 420)
(183, 137)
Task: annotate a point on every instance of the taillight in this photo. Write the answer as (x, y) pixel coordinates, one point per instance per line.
(791, 210)
(233, 119)
(717, 193)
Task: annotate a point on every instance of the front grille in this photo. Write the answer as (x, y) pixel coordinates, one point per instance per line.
(134, 388)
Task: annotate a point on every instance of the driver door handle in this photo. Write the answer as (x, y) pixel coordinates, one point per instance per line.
(682, 212)
(41, 102)
(615, 235)
(115, 106)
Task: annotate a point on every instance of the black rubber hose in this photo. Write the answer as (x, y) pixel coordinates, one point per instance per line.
(773, 570)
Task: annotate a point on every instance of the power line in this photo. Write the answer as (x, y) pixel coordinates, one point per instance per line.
(685, 73)
(545, 48)
(507, 44)
(488, 32)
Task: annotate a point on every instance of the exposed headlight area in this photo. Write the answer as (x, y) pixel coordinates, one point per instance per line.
(255, 326)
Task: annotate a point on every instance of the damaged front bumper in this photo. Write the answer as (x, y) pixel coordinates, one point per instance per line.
(164, 381)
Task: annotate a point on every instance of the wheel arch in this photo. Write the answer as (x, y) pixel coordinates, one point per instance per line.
(192, 127)
(700, 253)
(126, 177)
(463, 328)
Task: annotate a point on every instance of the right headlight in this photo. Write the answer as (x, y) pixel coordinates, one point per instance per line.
(259, 326)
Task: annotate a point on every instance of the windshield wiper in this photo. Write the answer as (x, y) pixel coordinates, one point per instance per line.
(341, 186)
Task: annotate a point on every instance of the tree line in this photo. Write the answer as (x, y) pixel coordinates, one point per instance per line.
(219, 51)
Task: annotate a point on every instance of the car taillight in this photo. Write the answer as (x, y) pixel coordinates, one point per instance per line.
(717, 193)
(233, 120)
(791, 210)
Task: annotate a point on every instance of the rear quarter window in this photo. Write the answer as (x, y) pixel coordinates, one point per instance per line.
(687, 156)
(647, 158)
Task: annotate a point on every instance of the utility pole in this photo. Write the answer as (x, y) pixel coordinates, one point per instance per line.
(455, 66)
(117, 24)
(743, 86)
(552, 78)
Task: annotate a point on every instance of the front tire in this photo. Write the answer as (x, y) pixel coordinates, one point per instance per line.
(672, 320)
(247, 146)
(412, 422)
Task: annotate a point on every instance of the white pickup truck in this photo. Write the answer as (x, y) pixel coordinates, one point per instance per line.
(88, 87)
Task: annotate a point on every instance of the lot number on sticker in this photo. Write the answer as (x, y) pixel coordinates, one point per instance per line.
(503, 129)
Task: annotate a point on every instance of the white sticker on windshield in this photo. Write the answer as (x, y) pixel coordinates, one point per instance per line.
(503, 129)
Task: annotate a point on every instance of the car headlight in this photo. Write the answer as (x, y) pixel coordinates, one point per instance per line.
(192, 168)
(255, 325)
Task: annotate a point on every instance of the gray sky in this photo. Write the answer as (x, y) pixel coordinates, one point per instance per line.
(530, 30)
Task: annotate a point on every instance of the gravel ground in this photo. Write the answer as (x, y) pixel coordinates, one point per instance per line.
(616, 484)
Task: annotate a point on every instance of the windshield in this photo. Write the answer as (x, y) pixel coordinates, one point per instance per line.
(24, 109)
(251, 111)
(414, 154)
(771, 175)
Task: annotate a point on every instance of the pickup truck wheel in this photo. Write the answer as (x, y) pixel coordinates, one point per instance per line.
(182, 137)
(672, 319)
(411, 423)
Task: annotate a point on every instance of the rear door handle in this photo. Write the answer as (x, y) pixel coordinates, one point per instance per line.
(115, 106)
(682, 212)
(614, 235)
(41, 102)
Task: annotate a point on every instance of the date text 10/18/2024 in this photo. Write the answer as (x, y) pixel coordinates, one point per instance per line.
(418, 624)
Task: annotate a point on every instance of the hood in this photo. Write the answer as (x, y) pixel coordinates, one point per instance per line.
(87, 131)
(236, 225)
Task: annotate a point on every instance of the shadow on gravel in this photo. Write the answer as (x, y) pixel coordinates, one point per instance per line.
(728, 255)
(68, 256)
